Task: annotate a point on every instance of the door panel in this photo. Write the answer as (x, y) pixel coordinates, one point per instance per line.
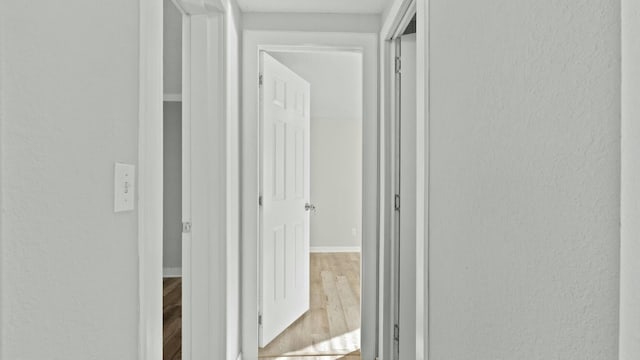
(279, 160)
(284, 221)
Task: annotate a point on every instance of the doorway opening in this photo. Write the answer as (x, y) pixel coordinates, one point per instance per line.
(311, 113)
(172, 183)
(257, 44)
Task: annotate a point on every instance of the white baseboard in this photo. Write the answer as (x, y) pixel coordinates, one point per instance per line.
(334, 249)
(170, 272)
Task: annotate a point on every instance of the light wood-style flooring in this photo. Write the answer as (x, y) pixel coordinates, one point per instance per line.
(330, 330)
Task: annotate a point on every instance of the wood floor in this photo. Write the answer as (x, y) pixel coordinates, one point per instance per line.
(330, 330)
(172, 319)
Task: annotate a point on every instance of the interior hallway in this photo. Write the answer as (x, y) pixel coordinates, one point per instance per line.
(330, 330)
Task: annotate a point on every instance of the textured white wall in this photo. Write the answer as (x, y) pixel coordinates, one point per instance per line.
(525, 179)
(336, 144)
(630, 206)
(69, 110)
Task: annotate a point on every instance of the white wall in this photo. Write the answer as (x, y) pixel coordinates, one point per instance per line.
(360, 23)
(525, 179)
(69, 264)
(630, 206)
(336, 144)
(172, 50)
(172, 180)
(69, 110)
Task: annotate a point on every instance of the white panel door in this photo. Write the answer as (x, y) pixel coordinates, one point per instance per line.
(285, 183)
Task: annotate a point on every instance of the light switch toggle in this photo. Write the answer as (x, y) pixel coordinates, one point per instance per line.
(124, 186)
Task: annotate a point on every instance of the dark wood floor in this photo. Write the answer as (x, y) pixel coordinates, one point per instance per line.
(172, 319)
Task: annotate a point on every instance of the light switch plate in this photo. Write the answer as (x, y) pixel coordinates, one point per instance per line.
(124, 186)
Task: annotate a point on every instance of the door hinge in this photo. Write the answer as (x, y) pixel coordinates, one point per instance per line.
(186, 227)
(398, 65)
(396, 204)
(260, 80)
(260, 200)
(396, 332)
(259, 319)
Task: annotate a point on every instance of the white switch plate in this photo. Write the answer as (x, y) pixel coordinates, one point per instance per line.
(124, 186)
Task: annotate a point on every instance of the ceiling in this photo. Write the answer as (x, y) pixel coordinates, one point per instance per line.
(315, 6)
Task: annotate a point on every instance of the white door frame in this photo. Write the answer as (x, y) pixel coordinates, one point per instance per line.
(204, 104)
(629, 327)
(254, 42)
(401, 295)
(150, 181)
(395, 21)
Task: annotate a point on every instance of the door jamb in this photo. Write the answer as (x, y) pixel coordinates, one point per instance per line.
(150, 194)
(150, 181)
(254, 42)
(391, 28)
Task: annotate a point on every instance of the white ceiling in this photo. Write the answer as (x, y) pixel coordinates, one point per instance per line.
(315, 6)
